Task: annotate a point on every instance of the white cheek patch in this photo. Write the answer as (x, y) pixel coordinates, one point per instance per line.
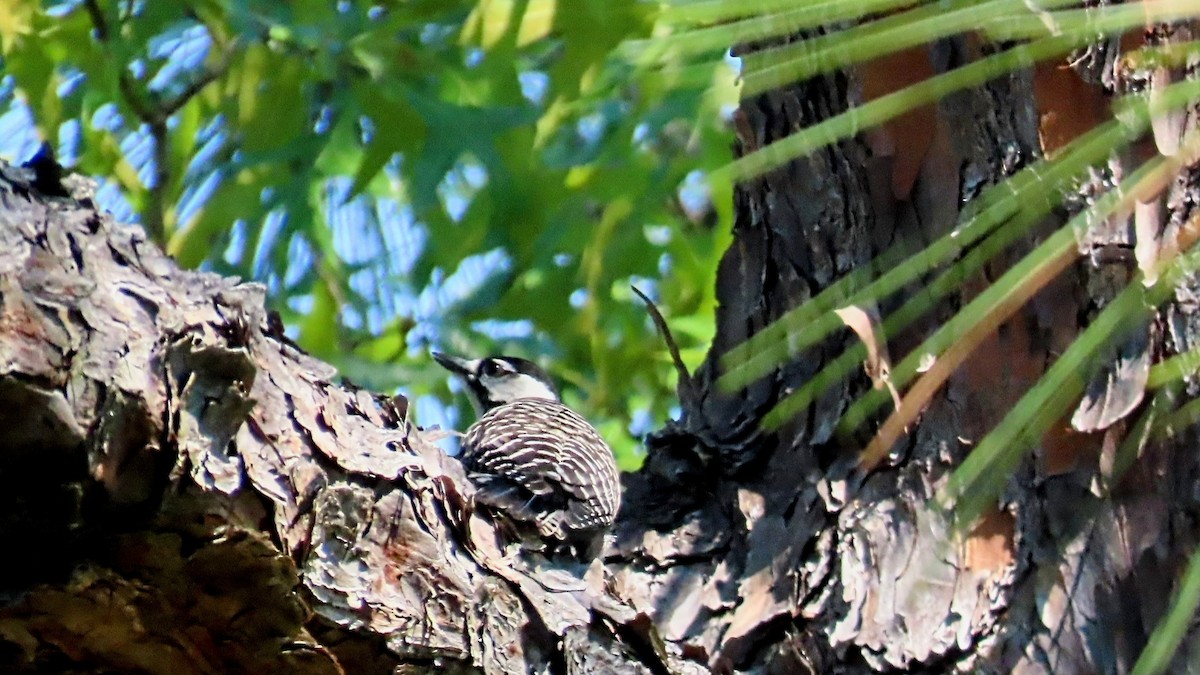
(514, 387)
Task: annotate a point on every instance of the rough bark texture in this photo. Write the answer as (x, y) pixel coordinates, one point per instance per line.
(182, 490)
(191, 493)
(790, 559)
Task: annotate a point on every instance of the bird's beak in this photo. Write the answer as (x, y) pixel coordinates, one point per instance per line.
(455, 364)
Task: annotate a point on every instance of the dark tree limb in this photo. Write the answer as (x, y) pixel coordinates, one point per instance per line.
(185, 477)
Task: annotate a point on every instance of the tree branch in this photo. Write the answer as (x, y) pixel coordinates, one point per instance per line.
(225, 468)
(155, 114)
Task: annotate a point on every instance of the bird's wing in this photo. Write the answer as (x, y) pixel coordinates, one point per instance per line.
(550, 450)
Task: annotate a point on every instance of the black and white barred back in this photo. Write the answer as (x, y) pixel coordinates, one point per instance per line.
(542, 462)
(532, 457)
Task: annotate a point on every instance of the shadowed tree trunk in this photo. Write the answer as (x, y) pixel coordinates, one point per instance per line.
(185, 491)
(774, 553)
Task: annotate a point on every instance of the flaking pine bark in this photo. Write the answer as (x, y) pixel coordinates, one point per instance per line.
(192, 493)
(186, 491)
(774, 553)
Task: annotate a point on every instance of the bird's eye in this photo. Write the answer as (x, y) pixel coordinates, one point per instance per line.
(494, 369)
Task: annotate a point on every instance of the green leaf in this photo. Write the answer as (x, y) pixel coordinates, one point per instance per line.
(397, 129)
(16, 22)
(319, 328)
(272, 109)
(31, 67)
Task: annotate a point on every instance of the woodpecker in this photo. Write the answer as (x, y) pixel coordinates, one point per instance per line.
(533, 458)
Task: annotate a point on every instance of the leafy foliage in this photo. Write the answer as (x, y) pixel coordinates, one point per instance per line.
(476, 176)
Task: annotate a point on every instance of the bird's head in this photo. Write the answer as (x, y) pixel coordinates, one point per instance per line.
(496, 380)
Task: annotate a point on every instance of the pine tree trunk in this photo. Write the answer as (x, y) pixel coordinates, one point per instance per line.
(773, 552)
